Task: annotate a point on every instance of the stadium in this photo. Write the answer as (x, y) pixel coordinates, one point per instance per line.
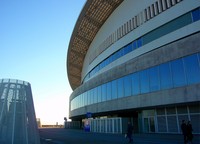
(138, 61)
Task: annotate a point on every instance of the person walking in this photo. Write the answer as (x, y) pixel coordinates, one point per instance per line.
(189, 132)
(130, 132)
(184, 131)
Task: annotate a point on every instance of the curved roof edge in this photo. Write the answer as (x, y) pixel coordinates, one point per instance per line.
(90, 20)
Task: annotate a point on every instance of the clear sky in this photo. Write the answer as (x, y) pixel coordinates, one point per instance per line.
(34, 38)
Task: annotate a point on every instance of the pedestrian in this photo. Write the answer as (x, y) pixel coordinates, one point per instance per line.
(130, 132)
(184, 131)
(189, 132)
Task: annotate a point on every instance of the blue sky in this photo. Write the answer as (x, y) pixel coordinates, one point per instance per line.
(34, 38)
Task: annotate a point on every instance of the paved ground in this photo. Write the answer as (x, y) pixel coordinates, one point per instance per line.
(70, 136)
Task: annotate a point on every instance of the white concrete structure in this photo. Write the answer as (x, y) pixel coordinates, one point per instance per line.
(137, 59)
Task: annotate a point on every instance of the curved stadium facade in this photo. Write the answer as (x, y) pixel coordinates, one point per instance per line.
(137, 60)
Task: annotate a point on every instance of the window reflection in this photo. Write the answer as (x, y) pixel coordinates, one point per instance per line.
(154, 79)
(135, 84)
(127, 85)
(192, 69)
(144, 81)
(120, 87)
(165, 76)
(114, 89)
(176, 73)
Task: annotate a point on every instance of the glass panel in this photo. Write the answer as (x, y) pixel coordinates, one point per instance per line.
(195, 122)
(172, 124)
(192, 69)
(120, 87)
(99, 93)
(127, 85)
(154, 79)
(165, 76)
(114, 89)
(92, 96)
(86, 98)
(83, 99)
(134, 45)
(196, 15)
(135, 84)
(152, 124)
(117, 55)
(95, 95)
(178, 73)
(160, 111)
(144, 79)
(121, 52)
(139, 42)
(182, 110)
(171, 110)
(146, 125)
(109, 89)
(167, 28)
(127, 49)
(104, 92)
(147, 113)
(194, 108)
(162, 127)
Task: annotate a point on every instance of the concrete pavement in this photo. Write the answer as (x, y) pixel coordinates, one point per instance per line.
(71, 136)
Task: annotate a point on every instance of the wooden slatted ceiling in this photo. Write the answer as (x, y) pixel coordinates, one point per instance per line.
(92, 17)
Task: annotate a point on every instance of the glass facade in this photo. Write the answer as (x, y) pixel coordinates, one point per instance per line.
(168, 120)
(167, 28)
(177, 73)
(17, 115)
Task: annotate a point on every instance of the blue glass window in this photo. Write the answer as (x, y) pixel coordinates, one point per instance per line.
(128, 49)
(109, 88)
(139, 42)
(120, 87)
(154, 79)
(107, 61)
(100, 65)
(114, 89)
(95, 95)
(165, 76)
(88, 96)
(134, 45)
(135, 83)
(196, 15)
(114, 56)
(104, 92)
(121, 52)
(84, 99)
(144, 81)
(99, 93)
(111, 58)
(117, 54)
(91, 96)
(127, 85)
(192, 69)
(81, 100)
(178, 73)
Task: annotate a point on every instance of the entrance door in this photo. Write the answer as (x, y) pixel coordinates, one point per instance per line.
(149, 124)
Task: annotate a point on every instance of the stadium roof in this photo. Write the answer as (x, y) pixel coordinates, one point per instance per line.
(90, 20)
